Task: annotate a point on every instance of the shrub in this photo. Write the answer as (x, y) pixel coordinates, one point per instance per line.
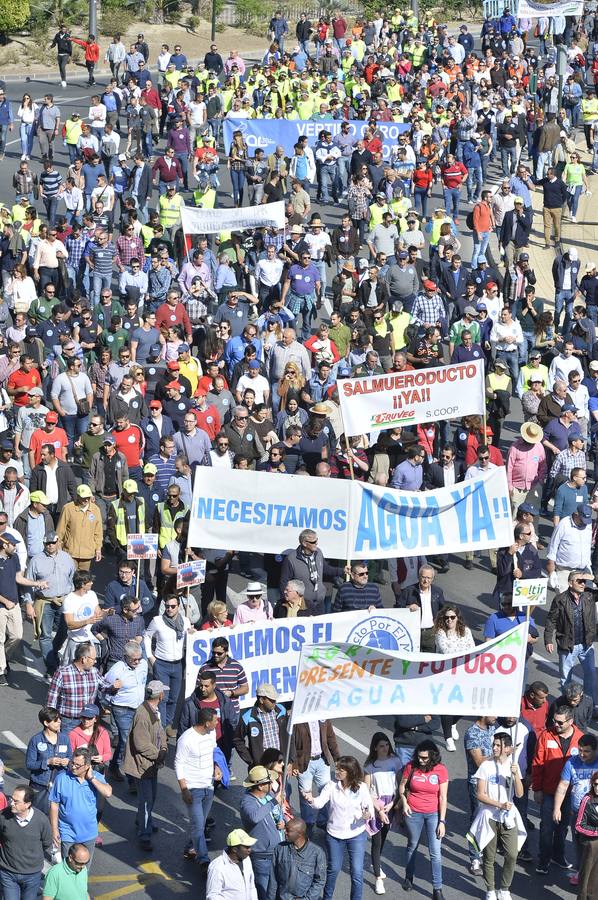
(14, 15)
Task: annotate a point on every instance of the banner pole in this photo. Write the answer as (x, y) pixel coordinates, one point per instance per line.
(188, 590)
(138, 578)
(351, 473)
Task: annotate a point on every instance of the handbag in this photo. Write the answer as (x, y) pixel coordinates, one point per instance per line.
(82, 405)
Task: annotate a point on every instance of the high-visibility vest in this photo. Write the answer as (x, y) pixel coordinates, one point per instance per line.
(589, 109)
(419, 53)
(205, 200)
(72, 131)
(121, 528)
(398, 323)
(167, 523)
(170, 210)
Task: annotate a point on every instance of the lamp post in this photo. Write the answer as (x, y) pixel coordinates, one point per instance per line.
(213, 29)
(93, 17)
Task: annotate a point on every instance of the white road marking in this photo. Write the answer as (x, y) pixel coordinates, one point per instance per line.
(351, 741)
(14, 740)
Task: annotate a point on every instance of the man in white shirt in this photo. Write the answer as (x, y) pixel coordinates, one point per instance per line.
(196, 772)
(255, 382)
(507, 339)
(563, 364)
(230, 875)
(570, 546)
(268, 274)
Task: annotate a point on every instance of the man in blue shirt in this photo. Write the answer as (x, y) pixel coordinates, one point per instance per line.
(73, 803)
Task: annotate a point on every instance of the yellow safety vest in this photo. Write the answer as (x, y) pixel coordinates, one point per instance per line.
(121, 528)
(419, 52)
(207, 200)
(72, 131)
(167, 533)
(527, 372)
(589, 109)
(398, 322)
(170, 210)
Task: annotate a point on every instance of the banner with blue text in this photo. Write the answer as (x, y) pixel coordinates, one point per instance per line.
(260, 511)
(270, 133)
(270, 651)
(342, 680)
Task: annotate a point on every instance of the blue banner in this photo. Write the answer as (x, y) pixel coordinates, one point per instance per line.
(269, 133)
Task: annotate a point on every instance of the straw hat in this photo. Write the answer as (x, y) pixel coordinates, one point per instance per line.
(531, 433)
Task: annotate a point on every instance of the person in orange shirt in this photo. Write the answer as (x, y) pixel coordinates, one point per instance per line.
(22, 380)
(49, 434)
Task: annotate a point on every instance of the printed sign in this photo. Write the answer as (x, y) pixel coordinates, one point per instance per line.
(190, 573)
(249, 511)
(377, 402)
(213, 221)
(341, 680)
(535, 9)
(530, 592)
(269, 651)
(142, 546)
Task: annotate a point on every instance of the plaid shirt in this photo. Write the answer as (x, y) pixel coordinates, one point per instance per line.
(196, 308)
(566, 461)
(428, 309)
(71, 689)
(118, 631)
(75, 249)
(127, 249)
(271, 734)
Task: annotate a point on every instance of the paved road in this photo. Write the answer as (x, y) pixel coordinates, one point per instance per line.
(121, 869)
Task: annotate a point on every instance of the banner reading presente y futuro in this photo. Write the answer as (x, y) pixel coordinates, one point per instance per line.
(269, 651)
(377, 402)
(258, 511)
(271, 133)
(344, 680)
(212, 221)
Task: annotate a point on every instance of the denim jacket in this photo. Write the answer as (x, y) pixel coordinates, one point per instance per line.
(297, 874)
(39, 751)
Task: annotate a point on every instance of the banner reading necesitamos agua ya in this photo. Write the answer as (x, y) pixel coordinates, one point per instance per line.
(263, 512)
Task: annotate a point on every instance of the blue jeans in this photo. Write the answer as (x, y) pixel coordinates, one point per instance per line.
(563, 299)
(552, 836)
(123, 719)
(200, 807)
(544, 161)
(146, 797)
(51, 204)
(480, 245)
(405, 754)
(415, 824)
(147, 143)
(26, 135)
(238, 181)
(74, 426)
(327, 179)
(336, 851)
(511, 358)
(170, 674)
(451, 201)
(49, 623)
(99, 282)
(585, 656)
(318, 774)
(261, 873)
(164, 185)
(420, 199)
(475, 179)
(573, 199)
(20, 887)
(507, 160)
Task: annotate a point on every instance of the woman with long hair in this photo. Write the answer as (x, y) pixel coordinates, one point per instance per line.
(237, 164)
(422, 800)
(291, 384)
(27, 114)
(349, 808)
(586, 830)
(453, 637)
(382, 768)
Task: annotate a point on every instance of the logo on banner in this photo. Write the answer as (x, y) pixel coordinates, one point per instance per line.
(381, 632)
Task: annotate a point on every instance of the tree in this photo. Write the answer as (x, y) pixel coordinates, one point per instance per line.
(14, 14)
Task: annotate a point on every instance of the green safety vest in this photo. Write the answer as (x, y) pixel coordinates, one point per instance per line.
(170, 210)
(121, 528)
(589, 109)
(167, 523)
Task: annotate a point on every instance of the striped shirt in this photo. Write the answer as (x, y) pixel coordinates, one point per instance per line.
(229, 677)
(353, 597)
(50, 181)
(102, 258)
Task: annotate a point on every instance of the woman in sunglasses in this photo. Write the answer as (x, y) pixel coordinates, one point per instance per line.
(452, 637)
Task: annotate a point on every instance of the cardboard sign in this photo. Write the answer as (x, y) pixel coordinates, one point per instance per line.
(530, 592)
(190, 573)
(142, 546)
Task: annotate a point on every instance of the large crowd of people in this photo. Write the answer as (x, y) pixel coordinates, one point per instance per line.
(131, 354)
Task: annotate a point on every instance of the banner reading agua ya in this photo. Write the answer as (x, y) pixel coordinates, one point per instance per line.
(337, 681)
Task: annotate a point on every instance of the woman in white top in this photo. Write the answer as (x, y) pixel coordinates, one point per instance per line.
(20, 291)
(164, 642)
(350, 807)
(27, 114)
(382, 769)
(97, 117)
(81, 610)
(452, 638)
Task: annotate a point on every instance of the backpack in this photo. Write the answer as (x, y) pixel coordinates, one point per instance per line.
(469, 220)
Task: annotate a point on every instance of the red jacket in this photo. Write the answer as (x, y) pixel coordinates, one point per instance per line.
(167, 173)
(535, 717)
(92, 50)
(549, 760)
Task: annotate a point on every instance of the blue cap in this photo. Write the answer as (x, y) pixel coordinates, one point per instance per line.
(527, 508)
(568, 407)
(183, 348)
(254, 364)
(481, 306)
(155, 350)
(584, 511)
(89, 711)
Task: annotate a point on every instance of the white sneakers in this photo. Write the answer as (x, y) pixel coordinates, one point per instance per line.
(491, 895)
(63, 83)
(454, 733)
(379, 889)
(450, 745)
(504, 895)
(382, 874)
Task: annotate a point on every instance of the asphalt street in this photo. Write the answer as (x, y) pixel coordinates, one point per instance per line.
(120, 868)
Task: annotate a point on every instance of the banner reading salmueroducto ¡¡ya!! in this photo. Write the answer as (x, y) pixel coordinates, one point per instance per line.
(377, 402)
(269, 651)
(535, 9)
(263, 512)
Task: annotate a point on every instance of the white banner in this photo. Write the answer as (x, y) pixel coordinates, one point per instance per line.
(376, 402)
(535, 9)
(269, 651)
(530, 592)
(257, 512)
(338, 681)
(212, 221)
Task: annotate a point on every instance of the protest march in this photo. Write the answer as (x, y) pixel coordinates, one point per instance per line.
(299, 452)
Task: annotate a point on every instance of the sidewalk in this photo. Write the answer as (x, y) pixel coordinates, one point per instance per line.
(583, 234)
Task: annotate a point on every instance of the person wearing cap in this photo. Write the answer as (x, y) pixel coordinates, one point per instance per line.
(526, 466)
(230, 875)
(34, 523)
(126, 515)
(145, 752)
(45, 434)
(466, 323)
(572, 617)
(155, 426)
(107, 473)
(80, 528)
(532, 369)
(570, 545)
(262, 818)
(261, 726)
